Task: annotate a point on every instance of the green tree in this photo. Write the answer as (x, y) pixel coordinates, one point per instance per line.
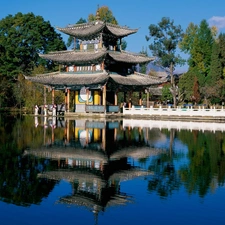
(196, 95)
(143, 67)
(185, 85)
(22, 38)
(202, 49)
(166, 93)
(197, 42)
(104, 14)
(166, 36)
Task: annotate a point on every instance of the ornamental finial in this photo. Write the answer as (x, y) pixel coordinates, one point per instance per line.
(97, 14)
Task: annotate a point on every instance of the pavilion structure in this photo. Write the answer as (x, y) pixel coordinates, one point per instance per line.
(95, 73)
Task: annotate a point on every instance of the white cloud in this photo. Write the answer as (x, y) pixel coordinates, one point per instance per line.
(217, 21)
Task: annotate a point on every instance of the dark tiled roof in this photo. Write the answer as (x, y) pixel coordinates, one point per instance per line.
(129, 57)
(72, 56)
(136, 79)
(91, 30)
(120, 31)
(60, 79)
(81, 57)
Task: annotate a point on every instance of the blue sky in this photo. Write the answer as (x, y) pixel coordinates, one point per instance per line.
(135, 14)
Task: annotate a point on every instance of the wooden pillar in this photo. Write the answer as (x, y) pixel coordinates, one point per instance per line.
(87, 94)
(147, 99)
(103, 139)
(53, 96)
(140, 98)
(115, 98)
(101, 42)
(68, 100)
(45, 95)
(104, 95)
(68, 131)
(115, 134)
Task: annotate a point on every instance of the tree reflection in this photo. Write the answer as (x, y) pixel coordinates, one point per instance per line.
(19, 183)
(166, 179)
(207, 161)
(18, 175)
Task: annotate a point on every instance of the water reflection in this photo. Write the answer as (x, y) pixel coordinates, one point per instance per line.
(93, 157)
(96, 156)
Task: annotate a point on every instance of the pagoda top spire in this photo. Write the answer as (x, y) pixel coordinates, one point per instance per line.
(97, 14)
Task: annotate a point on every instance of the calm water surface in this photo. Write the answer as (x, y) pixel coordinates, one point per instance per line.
(56, 171)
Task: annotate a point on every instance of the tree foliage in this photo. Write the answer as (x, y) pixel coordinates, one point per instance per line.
(105, 14)
(22, 38)
(206, 59)
(165, 37)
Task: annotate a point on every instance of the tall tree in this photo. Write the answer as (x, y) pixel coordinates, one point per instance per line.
(197, 42)
(166, 36)
(202, 49)
(216, 73)
(186, 84)
(22, 38)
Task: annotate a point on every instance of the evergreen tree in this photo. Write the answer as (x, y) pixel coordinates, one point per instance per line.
(186, 83)
(198, 42)
(166, 37)
(202, 49)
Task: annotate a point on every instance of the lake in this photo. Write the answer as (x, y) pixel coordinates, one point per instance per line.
(87, 171)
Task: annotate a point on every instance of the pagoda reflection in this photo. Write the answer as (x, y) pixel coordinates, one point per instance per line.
(93, 157)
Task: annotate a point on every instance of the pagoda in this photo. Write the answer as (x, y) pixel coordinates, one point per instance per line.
(95, 73)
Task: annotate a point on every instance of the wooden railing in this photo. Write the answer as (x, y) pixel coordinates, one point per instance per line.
(179, 111)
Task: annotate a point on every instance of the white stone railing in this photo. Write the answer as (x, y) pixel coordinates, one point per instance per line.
(195, 112)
